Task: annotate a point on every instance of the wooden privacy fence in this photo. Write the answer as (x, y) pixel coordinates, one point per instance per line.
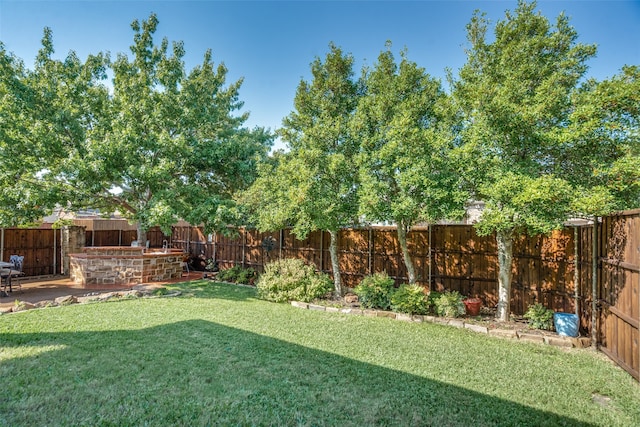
(39, 246)
(449, 257)
(618, 289)
(123, 237)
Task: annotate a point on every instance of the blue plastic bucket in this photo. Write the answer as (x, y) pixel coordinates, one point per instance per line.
(566, 324)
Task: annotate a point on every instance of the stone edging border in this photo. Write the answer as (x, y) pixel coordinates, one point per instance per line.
(86, 299)
(549, 339)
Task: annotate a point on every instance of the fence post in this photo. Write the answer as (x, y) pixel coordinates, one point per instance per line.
(215, 246)
(1, 244)
(244, 243)
(429, 227)
(370, 250)
(594, 284)
(189, 241)
(55, 249)
(281, 241)
(322, 250)
(576, 269)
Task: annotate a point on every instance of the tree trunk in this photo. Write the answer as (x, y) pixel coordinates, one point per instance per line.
(505, 255)
(408, 262)
(335, 266)
(142, 235)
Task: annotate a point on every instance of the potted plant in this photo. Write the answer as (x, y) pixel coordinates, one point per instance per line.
(472, 306)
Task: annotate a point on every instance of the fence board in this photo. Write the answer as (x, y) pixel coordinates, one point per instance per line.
(37, 245)
(619, 290)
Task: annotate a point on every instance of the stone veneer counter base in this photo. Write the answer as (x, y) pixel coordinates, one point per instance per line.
(121, 266)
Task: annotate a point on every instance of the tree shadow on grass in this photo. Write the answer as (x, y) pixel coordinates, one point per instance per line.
(203, 373)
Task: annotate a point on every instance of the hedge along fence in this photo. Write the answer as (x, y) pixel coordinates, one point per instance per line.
(446, 257)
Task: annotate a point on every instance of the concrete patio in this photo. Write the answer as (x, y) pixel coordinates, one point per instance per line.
(35, 290)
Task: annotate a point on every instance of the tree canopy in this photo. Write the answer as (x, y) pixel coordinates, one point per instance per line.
(162, 144)
(313, 186)
(535, 135)
(602, 145)
(406, 160)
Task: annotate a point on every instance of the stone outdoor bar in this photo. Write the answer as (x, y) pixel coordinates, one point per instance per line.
(119, 266)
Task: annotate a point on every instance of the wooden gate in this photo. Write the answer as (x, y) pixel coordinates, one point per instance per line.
(39, 246)
(619, 290)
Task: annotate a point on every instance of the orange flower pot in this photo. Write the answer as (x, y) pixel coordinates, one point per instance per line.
(472, 306)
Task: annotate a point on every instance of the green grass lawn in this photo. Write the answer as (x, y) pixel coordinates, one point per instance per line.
(218, 356)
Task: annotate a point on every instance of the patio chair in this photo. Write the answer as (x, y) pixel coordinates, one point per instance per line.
(5, 280)
(16, 271)
(185, 263)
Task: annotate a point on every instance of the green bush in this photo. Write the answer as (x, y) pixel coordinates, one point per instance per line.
(229, 274)
(375, 291)
(431, 301)
(409, 299)
(450, 304)
(539, 317)
(292, 280)
(237, 274)
(246, 275)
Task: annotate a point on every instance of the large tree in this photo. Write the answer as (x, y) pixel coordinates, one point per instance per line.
(516, 95)
(407, 149)
(163, 144)
(313, 186)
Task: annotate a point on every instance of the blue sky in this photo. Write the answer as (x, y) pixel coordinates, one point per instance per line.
(271, 43)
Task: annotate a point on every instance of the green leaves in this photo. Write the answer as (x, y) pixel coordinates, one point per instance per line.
(163, 142)
(517, 203)
(405, 163)
(313, 186)
(527, 122)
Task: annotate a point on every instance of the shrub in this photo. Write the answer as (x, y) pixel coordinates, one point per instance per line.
(237, 274)
(409, 299)
(539, 317)
(450, 304)
(431, 301)
(375, 291)
(292, 280)
(245, 276)
(229, 274)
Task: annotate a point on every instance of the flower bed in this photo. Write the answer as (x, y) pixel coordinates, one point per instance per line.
(486, 324)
